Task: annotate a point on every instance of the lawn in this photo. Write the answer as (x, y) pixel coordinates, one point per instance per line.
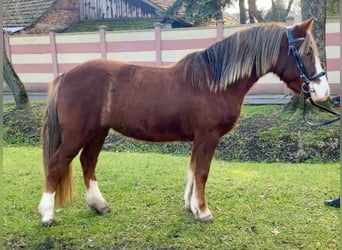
(255, 205)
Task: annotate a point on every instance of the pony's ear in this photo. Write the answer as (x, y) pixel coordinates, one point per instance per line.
(307, 25)
(301, 29)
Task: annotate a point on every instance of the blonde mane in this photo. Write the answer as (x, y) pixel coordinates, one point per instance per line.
(255, 49)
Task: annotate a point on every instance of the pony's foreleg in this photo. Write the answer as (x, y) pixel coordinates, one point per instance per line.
(89, 156)
(95, 200)
(201, 156)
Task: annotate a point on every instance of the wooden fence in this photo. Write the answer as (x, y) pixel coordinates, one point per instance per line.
(39, 58)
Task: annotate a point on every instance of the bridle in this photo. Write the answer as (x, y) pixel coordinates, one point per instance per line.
(292, 50)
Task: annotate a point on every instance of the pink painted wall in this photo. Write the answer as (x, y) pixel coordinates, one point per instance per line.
(38, 59)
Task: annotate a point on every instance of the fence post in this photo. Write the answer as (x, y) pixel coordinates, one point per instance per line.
(53, 53)
(7, 46)
(157, 37)
(103, 42)
(289, 21)
(219, 30)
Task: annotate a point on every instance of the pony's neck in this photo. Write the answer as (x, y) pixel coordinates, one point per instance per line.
(242, 57)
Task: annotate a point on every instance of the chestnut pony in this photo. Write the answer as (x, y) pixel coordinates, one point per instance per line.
(197, 99)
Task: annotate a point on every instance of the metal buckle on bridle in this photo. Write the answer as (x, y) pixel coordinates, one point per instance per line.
(306, 90)
(306, 81)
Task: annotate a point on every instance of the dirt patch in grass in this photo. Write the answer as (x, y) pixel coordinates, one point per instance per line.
(264, 133)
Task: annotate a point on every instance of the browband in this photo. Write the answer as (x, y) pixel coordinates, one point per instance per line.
(290, 38)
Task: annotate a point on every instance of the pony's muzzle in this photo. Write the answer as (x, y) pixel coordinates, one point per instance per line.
(318, 89)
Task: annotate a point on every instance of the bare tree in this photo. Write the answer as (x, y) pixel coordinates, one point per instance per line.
(243, 17)
(253, 12)
(279, 11)
(14, 83)
(289, 7)
(198, 11)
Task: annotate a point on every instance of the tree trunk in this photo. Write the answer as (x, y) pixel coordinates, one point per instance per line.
(273, 10)
(254, 13)
(289, 8)
(219, 13)
(317, 9)
(251, 11)
(14, 83)
(243, 17)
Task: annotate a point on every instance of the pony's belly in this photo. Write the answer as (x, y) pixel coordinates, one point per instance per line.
(154, 135)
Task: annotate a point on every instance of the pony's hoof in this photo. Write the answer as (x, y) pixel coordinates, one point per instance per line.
(49, 223)
(101, 211)
(206, 219)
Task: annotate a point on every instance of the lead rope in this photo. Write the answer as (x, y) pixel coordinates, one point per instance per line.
(312, 124)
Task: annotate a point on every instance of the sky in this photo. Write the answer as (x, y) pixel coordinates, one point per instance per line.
(261, 4)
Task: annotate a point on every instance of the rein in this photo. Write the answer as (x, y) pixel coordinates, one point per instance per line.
(306, 82)
(321, 108)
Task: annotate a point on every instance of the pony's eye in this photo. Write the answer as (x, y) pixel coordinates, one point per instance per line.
(308, 54)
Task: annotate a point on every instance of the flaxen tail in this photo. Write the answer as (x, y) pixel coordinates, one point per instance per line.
(51, 140)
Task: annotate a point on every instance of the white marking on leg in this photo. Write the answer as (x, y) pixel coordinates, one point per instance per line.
(320, 86)
(194, 203)
(94, 198)
(188, 190)
(46, 207)
(204, 215)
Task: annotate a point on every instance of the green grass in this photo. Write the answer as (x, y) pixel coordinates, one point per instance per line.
(256, 205)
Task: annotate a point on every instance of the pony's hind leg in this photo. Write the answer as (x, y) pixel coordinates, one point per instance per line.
(58, 183)
(89, 156)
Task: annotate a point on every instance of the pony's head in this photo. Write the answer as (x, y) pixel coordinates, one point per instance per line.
(299, 65)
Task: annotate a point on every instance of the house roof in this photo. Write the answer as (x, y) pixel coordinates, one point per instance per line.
(164, 4)
(23, 13)
(20, 14)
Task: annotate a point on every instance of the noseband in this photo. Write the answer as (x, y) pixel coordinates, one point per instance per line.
(306, 80)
